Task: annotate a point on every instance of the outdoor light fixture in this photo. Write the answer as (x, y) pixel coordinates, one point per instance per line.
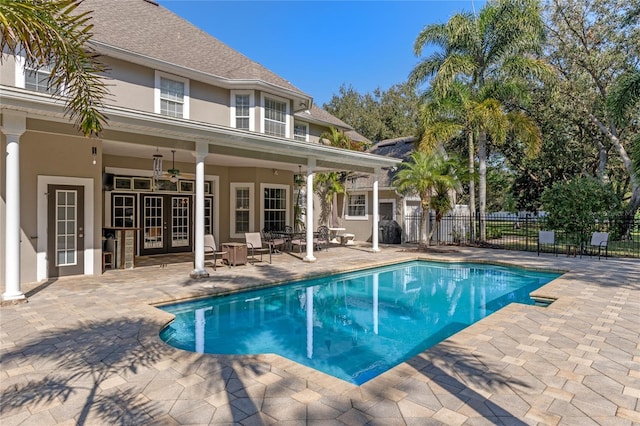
(94, 154)
(157, 165)
(275, 172)
(173, 171)
(298, 179)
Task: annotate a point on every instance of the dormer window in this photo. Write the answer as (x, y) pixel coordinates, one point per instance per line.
(172, 95)
(275, 120)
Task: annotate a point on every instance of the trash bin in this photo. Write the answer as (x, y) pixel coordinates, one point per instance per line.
(389, 232)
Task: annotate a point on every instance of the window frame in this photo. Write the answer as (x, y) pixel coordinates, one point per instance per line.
(21, 70)
(287, 122)
(233, 187)
(287, 201)
(365, 216)
(252, 106)
(306, 130)
(158, 98)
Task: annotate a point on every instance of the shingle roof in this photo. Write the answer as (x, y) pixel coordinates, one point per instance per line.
(148, 29)
(401, 148)
(316, 113)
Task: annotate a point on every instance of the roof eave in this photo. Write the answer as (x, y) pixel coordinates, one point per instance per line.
(216, 80)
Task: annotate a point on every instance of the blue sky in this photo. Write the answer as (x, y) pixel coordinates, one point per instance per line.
(320, 45)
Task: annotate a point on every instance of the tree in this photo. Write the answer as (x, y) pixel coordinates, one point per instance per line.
(578, 206)
(458, 113)
(378, 115)
(493, 54)
(51, 33)
(333, 183)
(425, 173)
(592, 44)
(327, 187)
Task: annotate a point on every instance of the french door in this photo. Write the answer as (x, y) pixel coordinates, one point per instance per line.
(166, 223)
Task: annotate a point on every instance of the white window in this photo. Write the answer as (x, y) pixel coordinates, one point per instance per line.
(275, 207)
(242, 210)
(171, 95)
(300, 131)
(38, 79)
(275, 118)
(33, 78)
(357, 206)
(242, 107)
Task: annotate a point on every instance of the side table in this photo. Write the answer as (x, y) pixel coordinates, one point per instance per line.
(236, 253)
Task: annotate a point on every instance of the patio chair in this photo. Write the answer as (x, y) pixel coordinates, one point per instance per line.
(275, 243)
(256, 245)
(547, 238)
(299, 239)
(599, 241)
(210, 249)
(322, 239)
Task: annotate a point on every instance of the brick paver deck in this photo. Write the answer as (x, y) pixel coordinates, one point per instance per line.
(86, 351)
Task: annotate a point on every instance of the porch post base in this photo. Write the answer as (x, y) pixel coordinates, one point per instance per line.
(309, 259)
(199, 273)
(376, 250)
(6, 297)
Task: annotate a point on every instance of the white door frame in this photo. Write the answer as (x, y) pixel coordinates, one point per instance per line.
(42, 209)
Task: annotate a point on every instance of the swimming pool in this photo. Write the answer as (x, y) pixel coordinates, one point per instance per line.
(356, 325)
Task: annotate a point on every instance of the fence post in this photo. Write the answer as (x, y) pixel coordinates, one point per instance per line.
(526, 230)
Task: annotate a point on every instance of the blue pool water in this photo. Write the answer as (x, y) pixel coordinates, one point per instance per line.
(353, 326)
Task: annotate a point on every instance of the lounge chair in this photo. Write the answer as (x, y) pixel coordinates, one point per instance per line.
(256, 245)
(547, 238)
(599, 240)
(210, 249)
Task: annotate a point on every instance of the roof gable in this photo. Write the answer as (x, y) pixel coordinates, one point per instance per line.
(146, 28)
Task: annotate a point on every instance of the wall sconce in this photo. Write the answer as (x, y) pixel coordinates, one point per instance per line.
(94, 154)
(275, 172)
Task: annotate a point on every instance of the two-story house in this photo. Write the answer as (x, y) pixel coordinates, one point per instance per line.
(200, 139)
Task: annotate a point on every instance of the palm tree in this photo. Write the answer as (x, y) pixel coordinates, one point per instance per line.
(332, 184)
(328, 186)
(52, 33)
(455, 114)
(488, 53)
(421, 176)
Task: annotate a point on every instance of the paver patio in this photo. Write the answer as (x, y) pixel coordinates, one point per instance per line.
(86, 351)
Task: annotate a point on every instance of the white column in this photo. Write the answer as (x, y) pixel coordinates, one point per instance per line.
(376, 215)
(199, 271)
(13, 126)
(311, 164)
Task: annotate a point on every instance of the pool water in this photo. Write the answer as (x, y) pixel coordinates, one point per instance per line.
(353, 326)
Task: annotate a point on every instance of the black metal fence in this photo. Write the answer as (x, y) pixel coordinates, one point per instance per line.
(520, 232)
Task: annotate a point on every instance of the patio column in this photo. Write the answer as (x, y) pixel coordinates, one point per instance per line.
(14, 124)
(311, 164)
(376, 225)
(199, 271)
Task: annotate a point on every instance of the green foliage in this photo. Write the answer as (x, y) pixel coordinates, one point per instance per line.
(54, 33)
(577, 206)
(431, 177)
(378, 115)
